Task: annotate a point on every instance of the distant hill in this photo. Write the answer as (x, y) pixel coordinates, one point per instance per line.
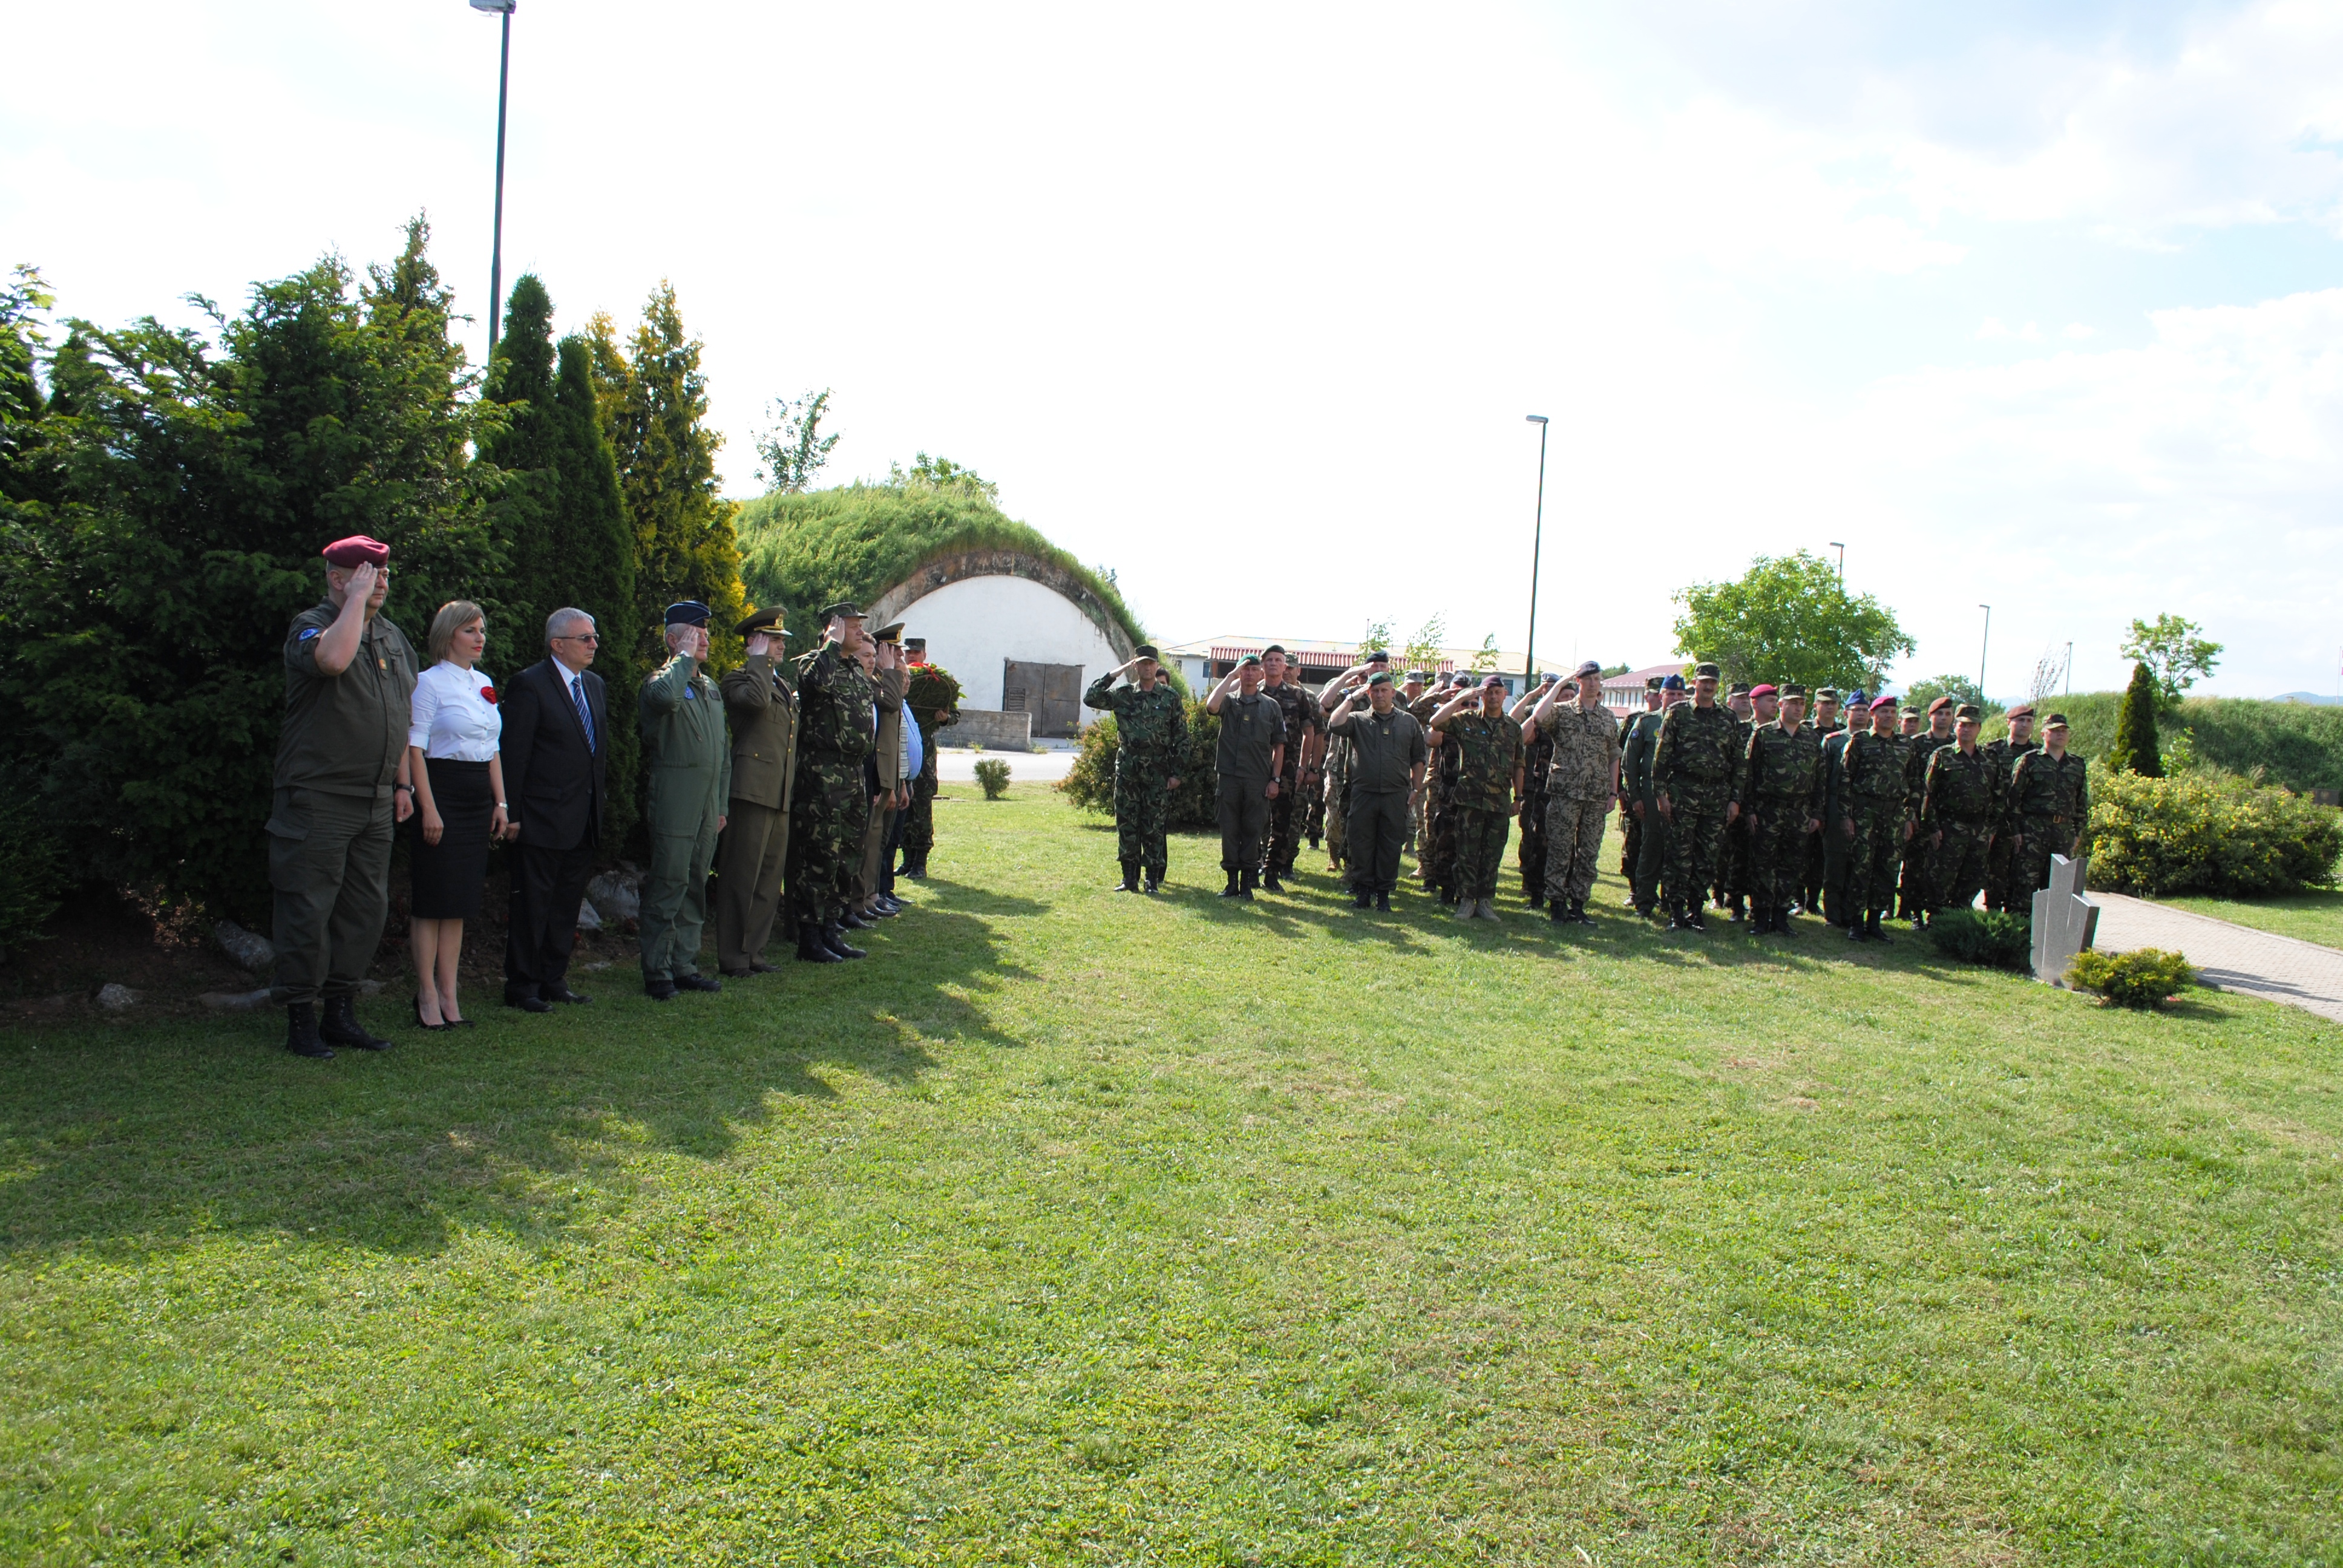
(2297, 744)
(2312, 697)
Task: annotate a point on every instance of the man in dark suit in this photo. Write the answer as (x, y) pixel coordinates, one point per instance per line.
(557, 752)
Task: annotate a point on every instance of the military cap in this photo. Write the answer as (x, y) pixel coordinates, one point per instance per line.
(2056, 721)
(1273, 648)
(767, 620)
(889, 633)
(1377, 655)
(1497, 681)
(1673, 683)
(1939, 705)
(1651, 683)
(1967, 713)
(2022, 711)
(687, 612)
(915, 644)
(844, 610)
(1380, 677)
(357, 550)
(1829, 691)
(1757, 691)
(1856, 699)
(1740, 689)
(1583, 671)
(1887, 702)
(1146, 650)
(1794, 690)
(1706, 672)
(1416, 674)
(1250, 659)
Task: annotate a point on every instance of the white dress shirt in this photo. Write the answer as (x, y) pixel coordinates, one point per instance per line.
(450, 719)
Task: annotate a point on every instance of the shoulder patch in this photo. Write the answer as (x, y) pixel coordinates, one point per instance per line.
(307, 633)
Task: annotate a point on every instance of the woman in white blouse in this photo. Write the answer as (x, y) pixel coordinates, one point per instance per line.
(460, 804)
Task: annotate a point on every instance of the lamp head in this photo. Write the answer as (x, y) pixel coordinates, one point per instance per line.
(1532, 418)
(497, 7)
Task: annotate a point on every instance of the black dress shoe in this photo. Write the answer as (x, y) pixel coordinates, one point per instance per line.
(697, 982)
(301, 1032)
(340, 1026)
(836, 944)
(881, 910)
(658, 991)
(759, 967)
(854, 923)
(734, 974)
(529, 1003)
(418, 1017)
(574, 999)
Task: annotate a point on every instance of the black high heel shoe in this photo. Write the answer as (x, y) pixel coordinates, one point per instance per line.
(418, 1017)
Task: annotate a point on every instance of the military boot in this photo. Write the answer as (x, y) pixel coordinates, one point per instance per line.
(1129, 883)
(341, 1026)
(834, 939)
(1872, 931)
(1362, 900)
(811, 949)
(1383, 903)
(1235, 890)
(1154, 882)
(854, 923)
(1696, 916)
(1249, 881)
(1578, 913)
(1559, 913)
(1270, 883)
(301, 1032)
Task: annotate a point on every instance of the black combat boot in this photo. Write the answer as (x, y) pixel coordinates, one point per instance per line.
(341, 1026)
(1782, 921)
(834, 939)
(811, 949)
(1535, 899)
(1873, 931)
(1129, 883)
(1558, 912)
(1362, 900)
(1578, 912)
(1854, 932)
(1235, 890)
(1251, 880)
(1697, 914)
(301, 1032)
(1154, 881)
(1383, 903)
(1740, 908)
(1270, 883)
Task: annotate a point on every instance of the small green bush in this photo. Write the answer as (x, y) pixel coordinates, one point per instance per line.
(2144, 976)
(1090, 784)
(994, 774)
(2207, 832)
(1990, 936)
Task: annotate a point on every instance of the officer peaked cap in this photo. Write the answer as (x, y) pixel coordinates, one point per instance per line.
(889, 633)
(767, 620)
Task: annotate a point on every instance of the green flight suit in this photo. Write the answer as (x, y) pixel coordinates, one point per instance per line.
(691, 778)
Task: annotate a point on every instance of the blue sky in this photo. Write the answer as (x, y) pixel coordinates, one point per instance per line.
(2036, 307)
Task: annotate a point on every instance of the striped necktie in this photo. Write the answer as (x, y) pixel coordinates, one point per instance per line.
(577, 696)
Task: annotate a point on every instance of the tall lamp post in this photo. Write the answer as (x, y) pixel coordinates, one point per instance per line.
(503, 10)
(1842, 561)
(1983, 639)
(1537, 543)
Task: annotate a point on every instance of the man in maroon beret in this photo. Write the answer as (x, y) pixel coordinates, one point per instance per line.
(341, 785)
(2001, 892)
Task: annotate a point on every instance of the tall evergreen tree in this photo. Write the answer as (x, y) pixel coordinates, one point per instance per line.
(2138, 748)
(525, 513)
(653, 401)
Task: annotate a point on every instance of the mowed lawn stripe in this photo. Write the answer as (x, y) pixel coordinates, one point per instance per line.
(1083, 1227)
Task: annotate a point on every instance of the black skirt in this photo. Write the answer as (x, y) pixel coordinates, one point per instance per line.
(449, 876)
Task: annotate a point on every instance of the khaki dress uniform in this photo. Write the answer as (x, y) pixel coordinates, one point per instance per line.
(892, 758)
(691, 778)
(756, 846)
(330, 818)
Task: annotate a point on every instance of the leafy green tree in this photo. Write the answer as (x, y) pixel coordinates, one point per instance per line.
(2172, 651)
(795, 449)
(943, 473)
(1484, 657)
(1423, 649)
(1789, 617)
(1377, 635)
(142, 619)
(653, 402)
(1959, 688)
(22, 403)
(2136, 750)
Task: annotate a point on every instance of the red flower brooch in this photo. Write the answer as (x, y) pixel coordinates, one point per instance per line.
(488, 695)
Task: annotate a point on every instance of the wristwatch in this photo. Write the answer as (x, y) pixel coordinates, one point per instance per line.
(397, 788)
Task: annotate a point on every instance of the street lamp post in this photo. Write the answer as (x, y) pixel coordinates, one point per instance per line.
(1537, 543)
(1842, 561)
(503, 10)
(1983, 639)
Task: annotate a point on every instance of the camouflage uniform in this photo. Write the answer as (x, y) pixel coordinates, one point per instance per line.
(1697, 765)
(1870, 797)
(1913, 895)
(1480, 802)
(1151, 746)
(920, 825)
(2005, 754)
(1821, 850)
(1420, 806)
(1637, 783)
(831, 806)
(1783, 790)
(1964, 801)
(1631, 826)
(1287, 813)
(1581, 777)
(1334, 803)
(2049, 802)
(1826, 870)
(1537, 757)
(1732, 881)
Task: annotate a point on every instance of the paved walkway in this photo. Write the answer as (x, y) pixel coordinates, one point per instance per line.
(958, 765)
(2232, 957)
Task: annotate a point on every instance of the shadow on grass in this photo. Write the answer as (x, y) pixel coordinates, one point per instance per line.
(114, 1141)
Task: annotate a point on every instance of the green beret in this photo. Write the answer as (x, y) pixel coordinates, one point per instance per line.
(1250, 659)
(1380, 677)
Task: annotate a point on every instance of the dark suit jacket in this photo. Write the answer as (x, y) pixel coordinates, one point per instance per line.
(554, 788)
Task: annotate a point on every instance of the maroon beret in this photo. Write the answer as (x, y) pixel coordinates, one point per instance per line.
(1939, 705)
(1757, 691)
(1883, 702)
(2022, 711)
(358, 549)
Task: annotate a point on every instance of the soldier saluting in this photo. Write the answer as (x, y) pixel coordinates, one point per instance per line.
(691, 783)
(830, 803)
(1151, 737)
(755, 846)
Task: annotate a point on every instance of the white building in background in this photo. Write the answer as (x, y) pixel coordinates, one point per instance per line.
(1022, 635)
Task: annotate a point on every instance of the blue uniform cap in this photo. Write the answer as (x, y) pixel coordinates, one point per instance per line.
(689, 612)
(1673, 683)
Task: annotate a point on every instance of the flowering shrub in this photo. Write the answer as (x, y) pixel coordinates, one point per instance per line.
(2207, 832)
(2144, 978)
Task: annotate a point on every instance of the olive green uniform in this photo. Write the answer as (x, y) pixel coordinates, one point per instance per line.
(764, 711)
(329, 822)
(690, 781)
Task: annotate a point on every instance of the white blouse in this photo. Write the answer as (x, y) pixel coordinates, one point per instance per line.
(450, 719)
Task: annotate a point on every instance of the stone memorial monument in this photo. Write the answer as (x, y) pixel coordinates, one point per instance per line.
(2065, 920)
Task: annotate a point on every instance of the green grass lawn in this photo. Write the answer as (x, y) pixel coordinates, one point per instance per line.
(1080, 1228)
(2312, 917)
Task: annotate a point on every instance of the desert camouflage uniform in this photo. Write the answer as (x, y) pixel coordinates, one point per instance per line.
(831, 806)
(1582, 776)
(1151, 746)
(1697, 765)
(2049, 802)
(1480, 800)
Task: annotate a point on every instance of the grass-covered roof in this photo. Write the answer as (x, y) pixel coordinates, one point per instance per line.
(857, 541)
